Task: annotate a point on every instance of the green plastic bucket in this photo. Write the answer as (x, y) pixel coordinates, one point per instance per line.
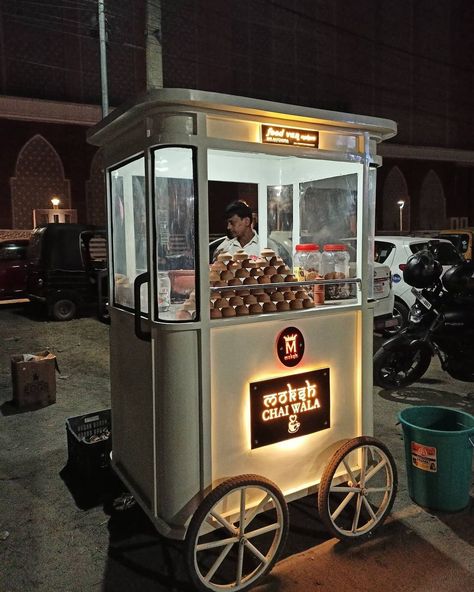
(438, 454)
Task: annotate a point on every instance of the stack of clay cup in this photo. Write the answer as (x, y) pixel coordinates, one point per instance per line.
(259, 274)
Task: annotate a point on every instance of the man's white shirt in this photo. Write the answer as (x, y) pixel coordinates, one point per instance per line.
(232, 245)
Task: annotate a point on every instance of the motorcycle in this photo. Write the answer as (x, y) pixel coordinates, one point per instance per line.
(441, 323)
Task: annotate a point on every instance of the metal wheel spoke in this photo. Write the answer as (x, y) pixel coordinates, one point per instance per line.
(343, 489)
(251, 515)
(349, 470)
(242, 511)
(342, 505)
(375, 469)
(218, 562)
(256, 552)
(363, 466)
(378, 489)
(369, 509)
(263, 530)
(225, 523)
(240, 563)
(214, 544)
(355, 522)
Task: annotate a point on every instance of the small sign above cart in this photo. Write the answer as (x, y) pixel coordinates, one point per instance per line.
(289, 407)
(289, 136)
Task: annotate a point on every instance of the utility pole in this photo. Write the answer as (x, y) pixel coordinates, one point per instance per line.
(154, 50)
(103, 58)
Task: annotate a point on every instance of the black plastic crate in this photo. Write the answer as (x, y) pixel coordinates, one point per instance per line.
(89, 442)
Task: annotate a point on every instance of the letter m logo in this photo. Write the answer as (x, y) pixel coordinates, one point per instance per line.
(290, 344)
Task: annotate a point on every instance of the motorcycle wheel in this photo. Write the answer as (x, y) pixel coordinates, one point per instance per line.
(400, 365)
(400, 313)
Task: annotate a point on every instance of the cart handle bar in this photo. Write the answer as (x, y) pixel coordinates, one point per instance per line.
(356, 281)
(141, 279)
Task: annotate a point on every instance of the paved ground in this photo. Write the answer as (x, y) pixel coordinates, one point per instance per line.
(55, 537)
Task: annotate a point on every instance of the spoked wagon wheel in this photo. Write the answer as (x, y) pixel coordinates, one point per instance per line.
(237, 533)
(357, 489)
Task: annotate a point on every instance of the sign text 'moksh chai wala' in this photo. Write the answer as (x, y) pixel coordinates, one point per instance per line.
(289, 406)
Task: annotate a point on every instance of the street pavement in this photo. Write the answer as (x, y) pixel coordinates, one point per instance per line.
(58, 537)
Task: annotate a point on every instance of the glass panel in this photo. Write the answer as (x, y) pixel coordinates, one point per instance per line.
(382, 251)
(371, 195)
(12, 252)
(175, 229)
(445, 253)
(128, 231)
(300, 202)
(460, 241)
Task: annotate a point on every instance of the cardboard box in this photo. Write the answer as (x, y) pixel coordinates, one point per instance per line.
(34, 379)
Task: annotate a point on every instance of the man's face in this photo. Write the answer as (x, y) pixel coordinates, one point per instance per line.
(237, 226)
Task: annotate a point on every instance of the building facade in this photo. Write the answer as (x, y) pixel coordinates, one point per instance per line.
(407, 60)
(50, 94)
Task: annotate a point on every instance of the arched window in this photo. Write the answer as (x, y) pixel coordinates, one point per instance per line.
(39, 175)
(395, 202)
(432, 209)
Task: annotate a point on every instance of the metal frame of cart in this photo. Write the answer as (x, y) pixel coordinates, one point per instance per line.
(194, 398)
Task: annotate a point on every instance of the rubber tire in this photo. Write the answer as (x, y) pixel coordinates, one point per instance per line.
(327, 478)
(401, 311)
(380, 360)
(207, 504)
(63, 309)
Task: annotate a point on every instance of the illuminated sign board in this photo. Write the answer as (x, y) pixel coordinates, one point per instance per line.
(289, 136)
(290, 346)
(289, 407)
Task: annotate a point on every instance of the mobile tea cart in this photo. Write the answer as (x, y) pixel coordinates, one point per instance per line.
(238, 386)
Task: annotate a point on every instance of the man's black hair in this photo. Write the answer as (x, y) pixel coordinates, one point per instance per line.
(240, 208)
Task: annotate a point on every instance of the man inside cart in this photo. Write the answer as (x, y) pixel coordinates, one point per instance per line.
(240, 231)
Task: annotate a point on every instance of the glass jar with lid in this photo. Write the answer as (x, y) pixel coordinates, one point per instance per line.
(307, 267)
(335, 266)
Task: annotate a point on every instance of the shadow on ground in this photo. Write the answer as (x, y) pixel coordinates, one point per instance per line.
(141, 559)
(417, 395)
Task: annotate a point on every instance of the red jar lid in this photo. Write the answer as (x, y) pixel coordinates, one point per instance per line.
(335, 248)
(307, 247)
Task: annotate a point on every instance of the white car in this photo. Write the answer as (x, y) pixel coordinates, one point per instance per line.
(383, 296)
(394, 251)
(384, 299)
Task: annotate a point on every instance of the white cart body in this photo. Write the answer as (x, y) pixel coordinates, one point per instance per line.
(181, 393)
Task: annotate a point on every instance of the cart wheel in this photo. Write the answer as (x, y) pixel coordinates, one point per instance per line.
(237, 533)
(357, 489)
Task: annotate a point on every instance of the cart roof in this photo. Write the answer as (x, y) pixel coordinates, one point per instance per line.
(226, 104)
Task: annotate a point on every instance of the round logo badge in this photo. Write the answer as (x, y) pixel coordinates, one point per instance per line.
(290, 346)
(396, 278)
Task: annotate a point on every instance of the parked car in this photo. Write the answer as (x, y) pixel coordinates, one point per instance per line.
(383, 296)
(67, 269)
(13, 269)
(384, 299)
(394, 251)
